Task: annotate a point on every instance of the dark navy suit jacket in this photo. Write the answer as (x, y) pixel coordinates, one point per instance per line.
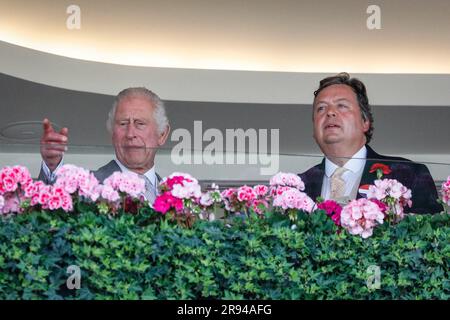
(413, 175)
(101, 173)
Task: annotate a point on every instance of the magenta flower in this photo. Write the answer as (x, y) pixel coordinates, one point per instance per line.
(230, 200)
(166, 202)
(333, 210)
(181, 195)
(261, 190)
(246, 194)
(383, 207)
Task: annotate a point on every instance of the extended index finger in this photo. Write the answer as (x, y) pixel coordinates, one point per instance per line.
(47, 126)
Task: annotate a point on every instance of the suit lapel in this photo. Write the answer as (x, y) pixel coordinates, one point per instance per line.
(314, 181)
(104, 172)
(367, 177)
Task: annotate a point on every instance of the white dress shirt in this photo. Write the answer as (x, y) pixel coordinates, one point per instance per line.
(355, 168)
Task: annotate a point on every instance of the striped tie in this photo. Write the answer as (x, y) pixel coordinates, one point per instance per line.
(337, 184)
(150, 190)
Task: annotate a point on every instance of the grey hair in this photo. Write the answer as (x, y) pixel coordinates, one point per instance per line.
(159, 113)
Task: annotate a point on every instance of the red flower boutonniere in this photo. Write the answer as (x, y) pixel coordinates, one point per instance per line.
(380, 169)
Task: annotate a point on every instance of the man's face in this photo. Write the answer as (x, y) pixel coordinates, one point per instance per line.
(135, 135)
(338, 121)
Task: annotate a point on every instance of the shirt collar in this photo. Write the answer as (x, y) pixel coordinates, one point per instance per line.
(355, 164)
(150, 174)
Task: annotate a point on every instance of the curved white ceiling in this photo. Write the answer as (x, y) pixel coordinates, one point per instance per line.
(185, 49)
(258, 35)
(213, 85)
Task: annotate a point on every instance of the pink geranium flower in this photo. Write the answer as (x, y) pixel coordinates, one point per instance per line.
(445, 191)
(129, 184)
(11, 205)
(246, 194)
(261, 190)
(181, 185)
(294, 199)
(287, 179)
(13, 178)
(242, 199)
(78, 181)
(230, 200)
(13, 183)
(108, 193)
(393, 194)
(360, 216)
(259, 206)
(181, 194)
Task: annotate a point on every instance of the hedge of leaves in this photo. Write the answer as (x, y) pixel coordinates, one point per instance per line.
(138, 257)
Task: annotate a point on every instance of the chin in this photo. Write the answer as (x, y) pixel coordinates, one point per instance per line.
(332, 138)
(331, 141)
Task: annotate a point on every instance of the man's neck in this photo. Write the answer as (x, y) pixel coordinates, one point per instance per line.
(355, 163)
(339, 155)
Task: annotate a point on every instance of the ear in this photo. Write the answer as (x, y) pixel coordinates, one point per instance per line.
(366, 125)
(164, 135)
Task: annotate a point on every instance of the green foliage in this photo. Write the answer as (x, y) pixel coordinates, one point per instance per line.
(141, 257)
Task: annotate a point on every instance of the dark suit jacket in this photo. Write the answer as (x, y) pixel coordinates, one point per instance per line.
(101, 173)
(413, 175)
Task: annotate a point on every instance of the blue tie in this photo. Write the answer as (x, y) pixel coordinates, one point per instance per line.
(150, 190)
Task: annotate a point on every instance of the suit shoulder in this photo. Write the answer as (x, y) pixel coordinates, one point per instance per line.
(374, 156)
(400, 159)
(105, 171)
(404, 162)
(317, 169)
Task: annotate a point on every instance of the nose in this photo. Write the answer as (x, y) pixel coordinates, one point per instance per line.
(331, 112)
(131, 133)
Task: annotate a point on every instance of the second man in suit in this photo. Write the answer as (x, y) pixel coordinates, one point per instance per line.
(343, 127)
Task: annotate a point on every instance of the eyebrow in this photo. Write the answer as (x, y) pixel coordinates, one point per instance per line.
(337, 100)
(343, 99)
(130, 119)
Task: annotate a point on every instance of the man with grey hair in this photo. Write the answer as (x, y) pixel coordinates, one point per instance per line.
(138, 125)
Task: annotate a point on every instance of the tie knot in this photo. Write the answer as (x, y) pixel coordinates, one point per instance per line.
(148, 183)
(338, 186)
(338, 172)
(150, 190)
